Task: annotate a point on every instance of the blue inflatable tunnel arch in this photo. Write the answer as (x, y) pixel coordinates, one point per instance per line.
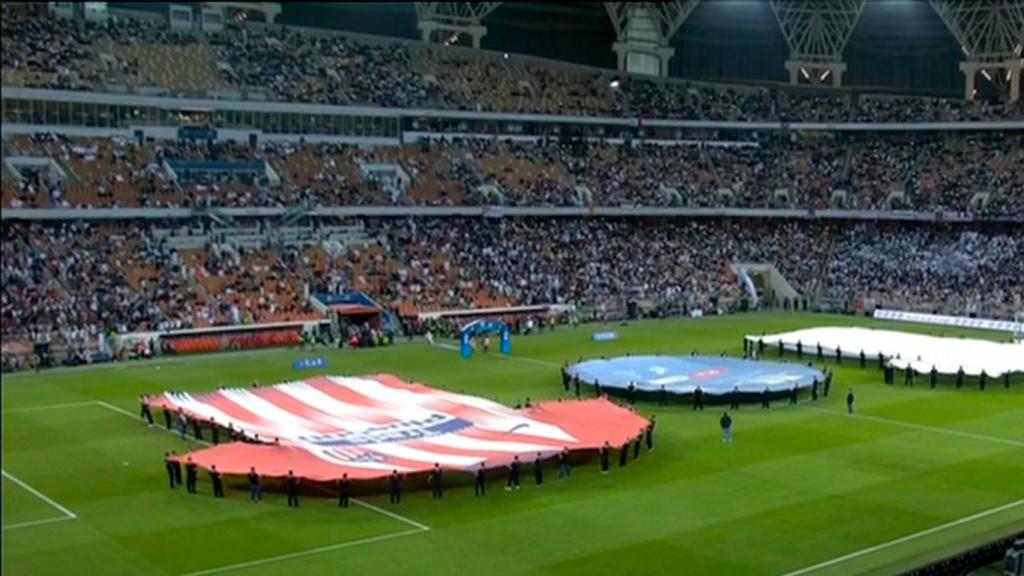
(469, 331)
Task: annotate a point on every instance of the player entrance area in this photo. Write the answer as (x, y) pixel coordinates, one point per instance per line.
(682, 375)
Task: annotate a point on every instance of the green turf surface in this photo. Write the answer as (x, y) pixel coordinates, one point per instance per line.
(799, 487)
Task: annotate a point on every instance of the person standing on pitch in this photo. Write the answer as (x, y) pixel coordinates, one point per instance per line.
(636, 445)
(650, 433)
(145, 414)
(396, 488)
(631, 393)
(960, 378)
(480, 483)
(839, 355)
(662, 396)
(214, 432)
(984, 380)
(597, 388)
(538, 470)
(167, 418)
(196, 429)
(726, 423)
(814, 389)
(344, 491)
(255, 488)
(908, 377)
(793, 395)
(734, 398)
(828, 382)
(564, 470)
(850, 402)
(565, 376)
(437, 481)
(698, 399)
(766, 398)
(513, 474)
(576, 385)
(863, 358)
(191, 475)
(606, 456)
(933, 378)
(182, 424)
(293, 490)
(218, 484)
(624, 455)
(170, 469)
(177, 467)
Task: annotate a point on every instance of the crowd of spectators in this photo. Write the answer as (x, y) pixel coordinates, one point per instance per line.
(958, 172)
(72, 283)
(288, 64)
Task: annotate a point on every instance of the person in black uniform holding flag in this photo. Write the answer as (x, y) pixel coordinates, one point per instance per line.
(344, 491)
(933, 378)
(821, 353)
(606, 456)
(214, 432)
(538, 470)
(662, 396)
(799, 349)
(734, 398)
(793, 394)
(960, 377)
(839, 355)
(396, 487)
(624, 455)
(218, 484)
(293, 490)
(597, 388)
(513, 474)
(167, 418)
(766, 398)
(437, 481)
(631, 393)
(984, 380)
(255, 487)
(814, 389)
(863, 359)
(564, 468)
(636, 445)
(196, 430)
(191, 475)
(565, 376)
(650, 433)
(480, 483)
(828, 382)
(576, 385)
(698, 399)
(170, 469)
(177, 467)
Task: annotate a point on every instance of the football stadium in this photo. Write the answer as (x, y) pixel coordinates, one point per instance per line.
(715, 287)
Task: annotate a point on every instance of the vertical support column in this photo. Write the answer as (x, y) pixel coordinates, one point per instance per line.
(1013, 69)
(970, 70)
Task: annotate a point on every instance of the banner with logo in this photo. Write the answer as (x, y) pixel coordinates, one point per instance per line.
(366, 427)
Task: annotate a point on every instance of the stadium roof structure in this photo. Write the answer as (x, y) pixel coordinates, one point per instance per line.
(930, 45)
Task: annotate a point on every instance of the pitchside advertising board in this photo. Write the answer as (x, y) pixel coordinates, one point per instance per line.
(957, 321)
(309, 363)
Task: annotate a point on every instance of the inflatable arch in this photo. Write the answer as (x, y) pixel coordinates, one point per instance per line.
(469, 331)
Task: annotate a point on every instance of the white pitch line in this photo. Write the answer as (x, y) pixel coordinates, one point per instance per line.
(37, 522)
(389, 514)
(49, 407)
(906, 538)
(302, 553)
(38, 494)
(923, 427)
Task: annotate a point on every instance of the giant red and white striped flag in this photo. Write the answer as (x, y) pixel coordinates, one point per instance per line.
(368, 426)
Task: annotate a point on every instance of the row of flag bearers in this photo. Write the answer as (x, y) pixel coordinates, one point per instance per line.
(396, 481)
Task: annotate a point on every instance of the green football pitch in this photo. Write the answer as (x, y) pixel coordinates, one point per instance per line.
(916, 475)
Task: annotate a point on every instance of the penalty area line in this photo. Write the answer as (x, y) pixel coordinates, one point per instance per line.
(907, 538)
(922, 427)
(67, 514)
(302, 553)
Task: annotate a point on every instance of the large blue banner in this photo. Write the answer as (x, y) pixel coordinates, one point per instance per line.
(683, 374)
